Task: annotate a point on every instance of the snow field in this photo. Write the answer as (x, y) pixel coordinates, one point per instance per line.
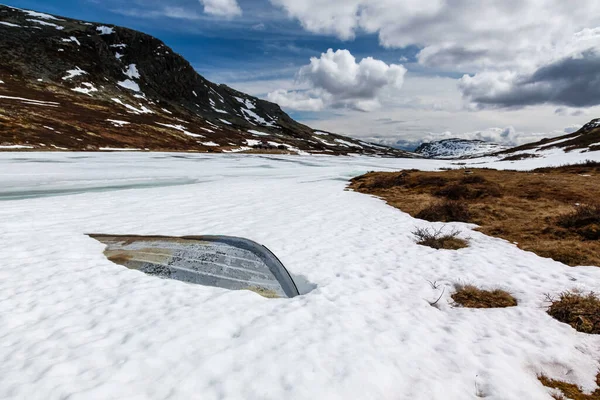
(73, 324)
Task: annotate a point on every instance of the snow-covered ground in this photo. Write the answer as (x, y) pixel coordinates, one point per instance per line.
(74, 325)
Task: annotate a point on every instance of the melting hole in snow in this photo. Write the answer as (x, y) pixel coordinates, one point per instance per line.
(220, 261)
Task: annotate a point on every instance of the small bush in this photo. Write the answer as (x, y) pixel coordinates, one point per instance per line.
(446, 211)
(570, 390)
(580, 311)
(471, 179)
(472, 297)
(437, 239)
(471, 191)
(454, 192)
(584, 220)
(427, 181)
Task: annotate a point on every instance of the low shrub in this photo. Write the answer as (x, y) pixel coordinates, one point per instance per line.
(584, 220)
(472, 178)
(445, 211)
(473, 297)
(470, 191)
(437, 239)
(580, 311)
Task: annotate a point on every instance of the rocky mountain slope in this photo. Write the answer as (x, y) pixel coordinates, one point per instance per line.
(74, 85)
(586, 139)
(457, 148)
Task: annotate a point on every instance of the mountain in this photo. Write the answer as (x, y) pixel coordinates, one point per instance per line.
(585, 140)
(73, 85)
(457, 148)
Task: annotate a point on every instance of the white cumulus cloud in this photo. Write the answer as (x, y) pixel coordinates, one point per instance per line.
(507, 42)
(336, 79)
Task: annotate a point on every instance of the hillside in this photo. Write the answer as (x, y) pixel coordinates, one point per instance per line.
(74, 85)
(457, 148)
(586, 139)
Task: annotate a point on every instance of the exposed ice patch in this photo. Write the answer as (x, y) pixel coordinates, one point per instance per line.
(41, 15)
(249, 105)
(289, 147)
(129, 84)
(105, 30)
(87, 88)
(118, 123)
(325, 142)
(44, 23)
(182, 129)
(31, 101)
(345, 142)
(9, 24)
(141, 110)
(15, 146)
(118, 149)
(72, 73)
(373, 145)
(72, 39)
(251, 116)
(132, 72)
(238, 150)
(253, 142)
(257, 133)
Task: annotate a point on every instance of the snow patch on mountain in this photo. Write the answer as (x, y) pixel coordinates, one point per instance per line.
(72, 73)
(457, 148)
(105, 30)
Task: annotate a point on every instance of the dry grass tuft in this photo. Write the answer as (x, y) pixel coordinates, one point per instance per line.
(445, 211)
(438, 240)
(267, 293)
(473, 297)
(569, 390)
(580, 311)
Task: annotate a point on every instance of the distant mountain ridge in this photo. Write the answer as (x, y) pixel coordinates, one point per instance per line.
(586, 139)
(457, 148)
(73, 85)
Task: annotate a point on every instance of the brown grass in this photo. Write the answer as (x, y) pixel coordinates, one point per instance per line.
(536, 209)
(445, 211)
(580, 311)
(269, 294)
(569, 390)
(438, 240)
(471, 297)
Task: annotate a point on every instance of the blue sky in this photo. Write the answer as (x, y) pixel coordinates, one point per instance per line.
(438, 69)
(263, 43)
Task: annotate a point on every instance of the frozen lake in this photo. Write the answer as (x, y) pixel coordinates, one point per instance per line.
(74, 325)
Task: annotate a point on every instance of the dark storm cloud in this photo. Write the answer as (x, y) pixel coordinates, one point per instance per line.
(571, 82)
